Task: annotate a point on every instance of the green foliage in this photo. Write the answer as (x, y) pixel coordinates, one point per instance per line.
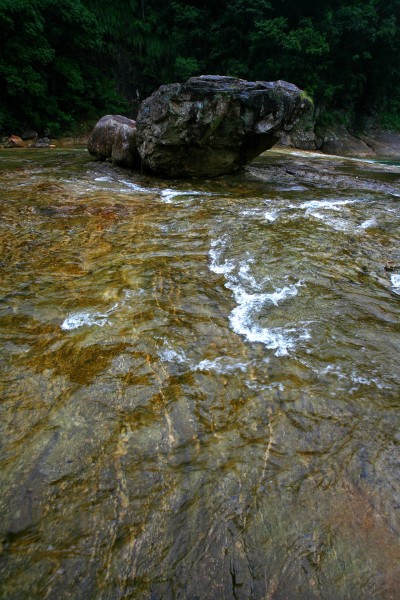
(48, 74)
(186, 67)
(390, 120)
(335, 118)
(64, 62)
(390, 116)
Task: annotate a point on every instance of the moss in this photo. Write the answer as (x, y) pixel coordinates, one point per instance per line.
(305, 96)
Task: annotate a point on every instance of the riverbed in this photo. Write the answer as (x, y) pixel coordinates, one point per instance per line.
(200, 380)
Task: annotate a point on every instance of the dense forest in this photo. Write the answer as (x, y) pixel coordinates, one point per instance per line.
(64, 63)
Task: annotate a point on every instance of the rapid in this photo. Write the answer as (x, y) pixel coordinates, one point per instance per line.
(199, 380)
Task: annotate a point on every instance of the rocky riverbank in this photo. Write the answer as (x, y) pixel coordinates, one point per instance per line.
(288, 168)
(212, 125)
(208, 126)
(333, 141)
(14, 141)
(340, 141)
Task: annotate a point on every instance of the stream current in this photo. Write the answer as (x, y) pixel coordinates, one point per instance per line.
(200, 381)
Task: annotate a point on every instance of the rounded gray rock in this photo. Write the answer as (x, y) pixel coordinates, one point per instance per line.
(114, 138)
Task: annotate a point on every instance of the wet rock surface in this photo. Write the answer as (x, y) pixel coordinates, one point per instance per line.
(200, 381)
(15, 142)
(302, 134)
(213, 125)
(384, 143)
(331, 173)
(338, 140)
(29, 135)
(114, 138)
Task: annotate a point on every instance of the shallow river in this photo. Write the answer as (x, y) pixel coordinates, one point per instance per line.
(199, 382)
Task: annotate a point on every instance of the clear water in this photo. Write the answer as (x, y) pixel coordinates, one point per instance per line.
(200, 383)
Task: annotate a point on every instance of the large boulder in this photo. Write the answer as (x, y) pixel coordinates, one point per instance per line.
(114, 138)
(212, 125)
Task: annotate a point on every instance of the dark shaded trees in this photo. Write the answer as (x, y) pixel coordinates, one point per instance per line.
(49, 69)
(342, 52)
(62, 62)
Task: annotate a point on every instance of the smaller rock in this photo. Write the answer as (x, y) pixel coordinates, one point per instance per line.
(341, 142)
(384, 143)
(15, 142)
(43, 142)
(29, 135)
(114, 138)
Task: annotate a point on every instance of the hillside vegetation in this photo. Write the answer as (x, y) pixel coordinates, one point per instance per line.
(62, 63)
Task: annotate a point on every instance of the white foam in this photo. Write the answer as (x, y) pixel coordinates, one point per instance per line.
(252, 212)
(136, 187)
(360, 380)
(132, 293)
(245, 275)
(79, 319)
(173, 356)
(313, 208)
(250, 303)
(326, 204)
(242, 320)
(290, 188)
(306, 154)
(169, 194)
(352, 378)
(220, 365)
(335, 370)
(271, 216)
(255, 385)
(82, 318)
(335, 223)
(215, 253)
(283, 293)
(395, 279)
(368, 223)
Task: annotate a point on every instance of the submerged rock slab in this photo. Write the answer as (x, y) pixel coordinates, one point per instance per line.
(114, 138)
(213, 125)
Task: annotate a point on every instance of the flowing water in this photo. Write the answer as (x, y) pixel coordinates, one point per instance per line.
(200, 382)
